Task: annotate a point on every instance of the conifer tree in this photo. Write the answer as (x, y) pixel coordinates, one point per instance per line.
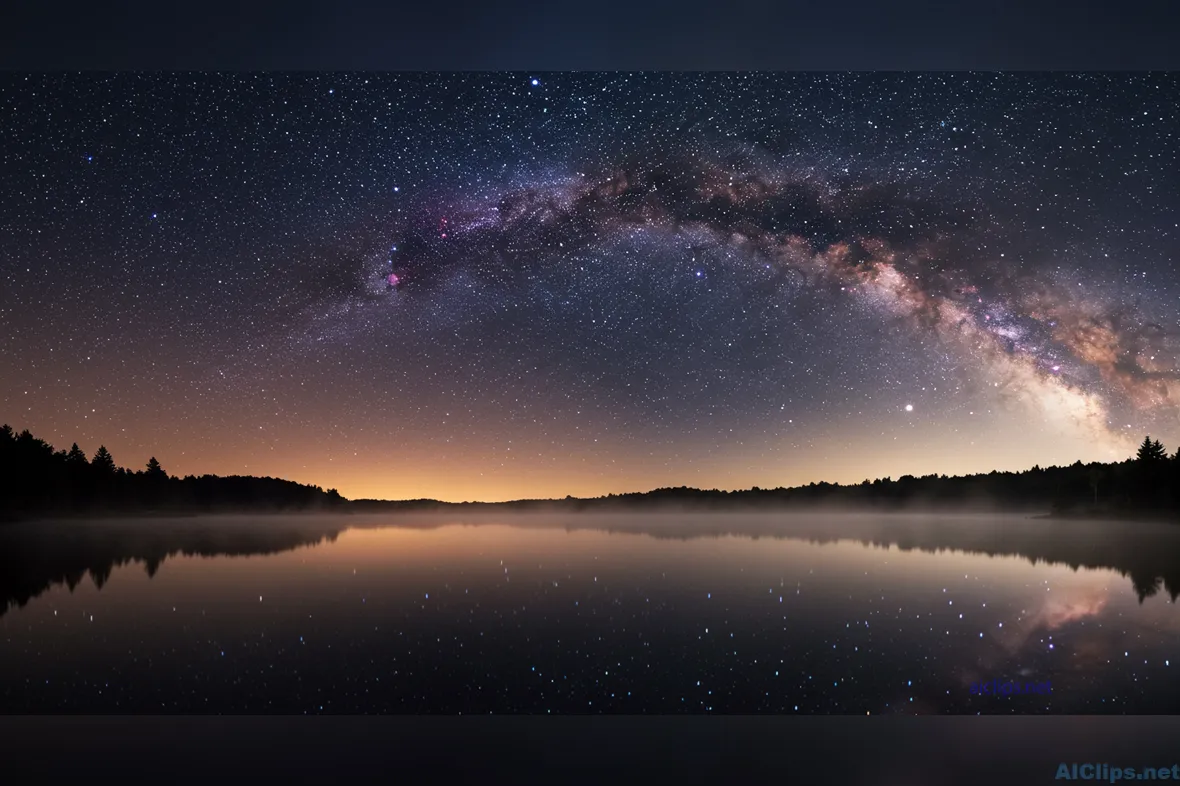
(1150, 451)
(76, 457)
(154, 470)
(102, 461)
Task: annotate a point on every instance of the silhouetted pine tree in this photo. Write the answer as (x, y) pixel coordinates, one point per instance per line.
(103, 462)
(1150, 450)
(76, 458)
(154, 470)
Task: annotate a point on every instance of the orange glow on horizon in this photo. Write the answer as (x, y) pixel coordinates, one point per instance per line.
(373, 469)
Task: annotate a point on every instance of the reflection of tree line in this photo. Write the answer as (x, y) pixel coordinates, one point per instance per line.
(1148, 554)
(36, 555)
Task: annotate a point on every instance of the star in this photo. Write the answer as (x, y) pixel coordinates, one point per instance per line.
(564, 298)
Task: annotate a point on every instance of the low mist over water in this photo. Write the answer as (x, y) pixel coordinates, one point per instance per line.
(587, 613)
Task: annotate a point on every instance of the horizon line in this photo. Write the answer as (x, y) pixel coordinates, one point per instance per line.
(752, 489)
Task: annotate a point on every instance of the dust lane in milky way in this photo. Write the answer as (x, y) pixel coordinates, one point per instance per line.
(1028, 336)
(493, 286)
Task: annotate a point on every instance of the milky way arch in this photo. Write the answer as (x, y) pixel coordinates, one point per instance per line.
(1068, 355)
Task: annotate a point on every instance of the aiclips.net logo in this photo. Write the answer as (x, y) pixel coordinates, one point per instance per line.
(998, 688)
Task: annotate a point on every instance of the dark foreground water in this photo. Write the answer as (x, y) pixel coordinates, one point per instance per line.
(668, 613)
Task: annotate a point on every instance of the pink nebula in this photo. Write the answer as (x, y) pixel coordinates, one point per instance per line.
(393, 279)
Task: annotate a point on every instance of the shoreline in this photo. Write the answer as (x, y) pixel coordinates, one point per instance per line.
(370, 507)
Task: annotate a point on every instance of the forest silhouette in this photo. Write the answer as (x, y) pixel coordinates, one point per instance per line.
(36, 480)
(1146, 485)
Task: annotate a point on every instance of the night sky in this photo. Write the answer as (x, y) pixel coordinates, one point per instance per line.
(505, 285)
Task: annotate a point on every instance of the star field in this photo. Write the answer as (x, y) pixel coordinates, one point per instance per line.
(504, 285)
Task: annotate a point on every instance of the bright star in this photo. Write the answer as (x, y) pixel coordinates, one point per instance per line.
(909, 407)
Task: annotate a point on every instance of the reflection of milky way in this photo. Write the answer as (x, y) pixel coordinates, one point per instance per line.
(1030, 631)
(1059, 609)
(1030, 339)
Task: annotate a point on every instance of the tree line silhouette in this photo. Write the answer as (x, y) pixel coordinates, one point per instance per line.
(35, 479)
(1146, 484)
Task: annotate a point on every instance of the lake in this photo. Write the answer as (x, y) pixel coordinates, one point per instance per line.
(801, 613)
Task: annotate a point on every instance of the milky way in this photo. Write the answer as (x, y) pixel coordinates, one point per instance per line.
(503, 285)
(1039, 343)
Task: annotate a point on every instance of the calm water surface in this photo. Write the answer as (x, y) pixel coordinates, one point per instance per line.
(565, 613)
